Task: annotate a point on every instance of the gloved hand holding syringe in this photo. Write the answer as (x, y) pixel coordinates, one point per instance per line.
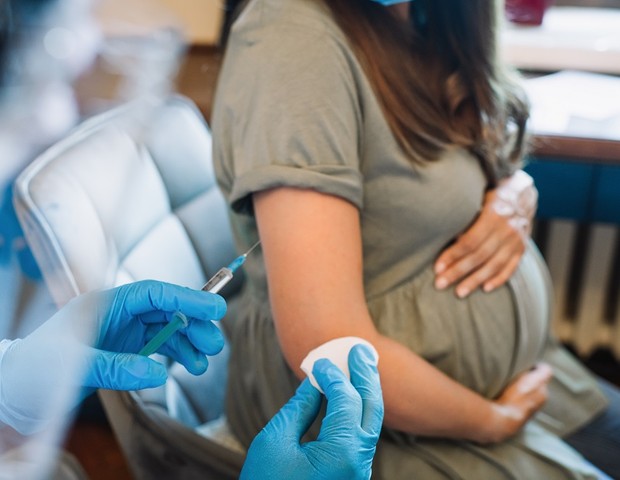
(179, 320)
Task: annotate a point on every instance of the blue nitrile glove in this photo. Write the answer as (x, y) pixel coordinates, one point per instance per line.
(349, 432)
(92, 342)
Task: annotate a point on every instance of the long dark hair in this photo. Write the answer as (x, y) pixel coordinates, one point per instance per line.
(438, 78)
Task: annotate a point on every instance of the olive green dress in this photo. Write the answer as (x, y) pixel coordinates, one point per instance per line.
(294, 108)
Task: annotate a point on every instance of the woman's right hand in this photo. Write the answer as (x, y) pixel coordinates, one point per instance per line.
(489, 251)
(518, 403)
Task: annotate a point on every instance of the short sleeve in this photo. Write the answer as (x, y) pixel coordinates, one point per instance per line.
(287, 114)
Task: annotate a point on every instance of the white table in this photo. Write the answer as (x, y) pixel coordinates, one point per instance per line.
(569, 38)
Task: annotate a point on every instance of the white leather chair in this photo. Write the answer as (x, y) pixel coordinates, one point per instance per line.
(126, 197)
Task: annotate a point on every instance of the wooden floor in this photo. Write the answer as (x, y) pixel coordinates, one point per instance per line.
(92, 442)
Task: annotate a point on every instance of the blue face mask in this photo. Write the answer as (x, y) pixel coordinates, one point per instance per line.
(390, 2)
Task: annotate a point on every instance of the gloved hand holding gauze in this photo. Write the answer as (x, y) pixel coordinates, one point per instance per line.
(337, 351)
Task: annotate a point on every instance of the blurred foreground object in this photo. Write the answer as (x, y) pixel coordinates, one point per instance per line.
(46, 48)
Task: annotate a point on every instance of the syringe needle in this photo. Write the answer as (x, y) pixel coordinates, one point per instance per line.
(252, 248)
(240, 260)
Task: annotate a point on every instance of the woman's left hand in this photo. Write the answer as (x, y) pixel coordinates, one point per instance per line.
(489, 251)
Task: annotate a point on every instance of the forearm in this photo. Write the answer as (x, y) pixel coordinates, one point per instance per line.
(422, 400)
(419, 399)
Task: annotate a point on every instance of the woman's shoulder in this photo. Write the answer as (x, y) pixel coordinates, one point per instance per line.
(264, 20)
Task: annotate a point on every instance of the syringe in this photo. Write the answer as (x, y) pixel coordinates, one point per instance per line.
(179, 320)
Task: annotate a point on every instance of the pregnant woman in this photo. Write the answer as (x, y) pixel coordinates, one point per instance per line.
(366, 145)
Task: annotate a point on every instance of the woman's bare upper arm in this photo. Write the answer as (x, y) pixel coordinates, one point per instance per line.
(313, 255)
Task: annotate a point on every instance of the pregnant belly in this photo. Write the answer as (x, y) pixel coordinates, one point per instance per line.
(481, 341)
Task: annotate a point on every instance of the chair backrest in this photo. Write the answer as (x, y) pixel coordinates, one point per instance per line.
(126, 197)
(117, 201)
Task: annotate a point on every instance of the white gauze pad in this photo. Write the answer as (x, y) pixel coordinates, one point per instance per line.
(337, 351)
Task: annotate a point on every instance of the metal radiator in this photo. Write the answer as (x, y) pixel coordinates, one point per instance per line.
(584, 261)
